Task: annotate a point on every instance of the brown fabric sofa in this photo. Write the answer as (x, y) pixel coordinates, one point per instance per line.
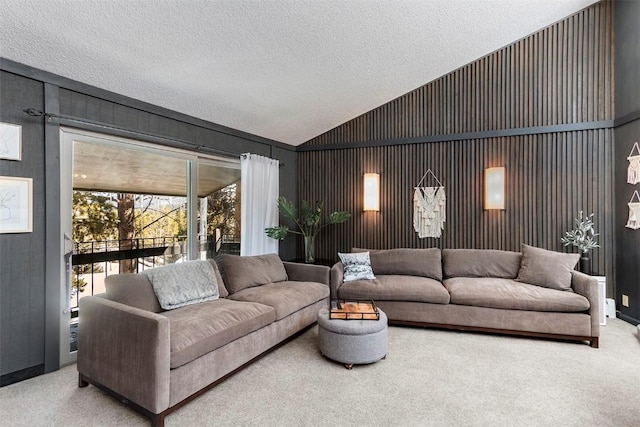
(157, 360)
(480, 290)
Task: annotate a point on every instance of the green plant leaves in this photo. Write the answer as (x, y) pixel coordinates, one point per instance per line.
(583, 236)
(308, 219)
(338, 217)
(287, 209)
(278, 233)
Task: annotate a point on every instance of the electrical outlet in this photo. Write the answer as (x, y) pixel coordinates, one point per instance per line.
(625, 300)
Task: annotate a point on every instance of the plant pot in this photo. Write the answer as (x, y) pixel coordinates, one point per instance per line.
(585, 264)
(309, 249)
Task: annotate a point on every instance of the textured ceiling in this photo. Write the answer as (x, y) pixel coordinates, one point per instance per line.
(288, 70)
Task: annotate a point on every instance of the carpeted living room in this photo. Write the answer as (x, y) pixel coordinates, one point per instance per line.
(319, 212)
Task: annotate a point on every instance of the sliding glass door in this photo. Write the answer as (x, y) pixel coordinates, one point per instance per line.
(128, 206)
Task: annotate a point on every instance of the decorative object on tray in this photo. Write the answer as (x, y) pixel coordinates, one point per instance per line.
(354, 310)
(584, 238)
(634, 212)
(429, 208)
(309, 221)
(10, 141)
(633, 171)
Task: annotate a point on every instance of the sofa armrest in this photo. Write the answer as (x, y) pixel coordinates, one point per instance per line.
(337, 277)
(125, 349)
(587, 286)
(307, 272)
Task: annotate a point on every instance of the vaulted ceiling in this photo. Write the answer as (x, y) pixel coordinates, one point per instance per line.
(288, 70)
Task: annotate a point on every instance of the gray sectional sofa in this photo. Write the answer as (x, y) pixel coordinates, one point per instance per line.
(533, 293)
(156, 360)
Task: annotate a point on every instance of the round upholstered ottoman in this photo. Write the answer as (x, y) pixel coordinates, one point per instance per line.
(352, 341)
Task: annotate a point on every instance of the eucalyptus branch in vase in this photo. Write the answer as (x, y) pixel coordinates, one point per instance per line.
(583, 237)
(309, 221)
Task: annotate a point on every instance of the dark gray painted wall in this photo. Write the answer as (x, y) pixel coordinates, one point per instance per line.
(22, 256)
(30, 263)
(288, 189)
(627, 102)
(627, 56)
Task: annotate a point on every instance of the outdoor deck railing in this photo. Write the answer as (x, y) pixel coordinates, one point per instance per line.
(93, 261)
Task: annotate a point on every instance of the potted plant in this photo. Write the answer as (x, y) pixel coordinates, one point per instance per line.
(309, 220)
(584, 238)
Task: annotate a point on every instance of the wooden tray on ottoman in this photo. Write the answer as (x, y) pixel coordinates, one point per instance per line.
(354, 310)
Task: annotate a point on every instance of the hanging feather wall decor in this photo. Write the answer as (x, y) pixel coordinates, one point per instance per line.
(633, 171)
(429, 208)
(634, 212)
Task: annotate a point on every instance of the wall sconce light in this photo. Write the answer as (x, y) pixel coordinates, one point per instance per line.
(371, 192)
(494, 188)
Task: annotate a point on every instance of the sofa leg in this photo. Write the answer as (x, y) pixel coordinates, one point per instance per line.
(81, 382)
(157, 420)
(594, 342)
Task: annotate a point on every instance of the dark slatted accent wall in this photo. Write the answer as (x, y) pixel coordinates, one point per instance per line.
(549, 178)
(560, 75)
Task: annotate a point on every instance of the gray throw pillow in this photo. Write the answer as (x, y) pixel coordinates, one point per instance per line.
(481, 263)
(545, 268)
(185, 283)
(357, 266)
(132, 289)
(242, 272)
(406, 261)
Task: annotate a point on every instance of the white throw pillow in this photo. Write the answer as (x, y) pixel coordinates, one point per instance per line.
(185, 283)
(357, 266)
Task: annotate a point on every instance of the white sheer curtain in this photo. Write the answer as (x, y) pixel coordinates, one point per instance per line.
(260, 184)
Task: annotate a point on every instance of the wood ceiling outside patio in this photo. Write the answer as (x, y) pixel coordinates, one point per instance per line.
(107, 168)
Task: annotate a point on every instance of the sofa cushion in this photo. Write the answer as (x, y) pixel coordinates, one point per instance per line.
(357, 266)
(512, 295)
(405, 261)
(480, 263)
(285, 297)
(241, 272)
(395, 288)
(198, 329)
(547, 268)
(132, 289)
(180, 284)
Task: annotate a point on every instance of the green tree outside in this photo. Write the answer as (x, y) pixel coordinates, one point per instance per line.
(99, 217)
(94, 218)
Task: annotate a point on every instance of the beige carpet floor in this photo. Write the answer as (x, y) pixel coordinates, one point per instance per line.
(430, 378)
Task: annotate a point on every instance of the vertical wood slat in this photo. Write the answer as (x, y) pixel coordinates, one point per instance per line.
(559, 75)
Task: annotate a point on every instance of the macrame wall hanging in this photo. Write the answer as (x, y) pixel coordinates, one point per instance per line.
(633, 172)
(429, 208)
(634, 212)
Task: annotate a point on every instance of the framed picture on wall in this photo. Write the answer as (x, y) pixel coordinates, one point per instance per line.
(10, 141)
(16, 204)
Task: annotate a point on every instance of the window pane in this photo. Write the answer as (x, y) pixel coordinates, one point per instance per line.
(128, 213)
(219, 209)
